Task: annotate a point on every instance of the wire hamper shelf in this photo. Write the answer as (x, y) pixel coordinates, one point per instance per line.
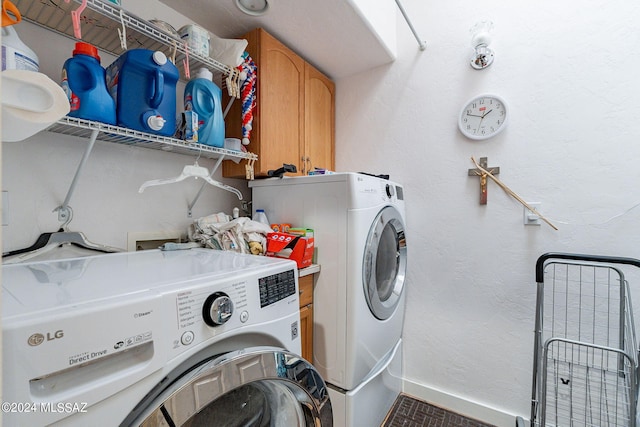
(585, 368)
(73, 126)
(100, 22)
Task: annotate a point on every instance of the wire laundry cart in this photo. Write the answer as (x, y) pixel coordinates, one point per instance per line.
(585, 367)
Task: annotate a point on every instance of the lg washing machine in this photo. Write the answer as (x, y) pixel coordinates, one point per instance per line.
(157, 338)
(358, 223)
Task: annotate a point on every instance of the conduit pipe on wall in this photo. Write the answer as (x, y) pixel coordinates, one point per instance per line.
(421, 43)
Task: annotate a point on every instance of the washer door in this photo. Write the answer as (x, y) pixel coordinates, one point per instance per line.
(256, 387)
(385, 263)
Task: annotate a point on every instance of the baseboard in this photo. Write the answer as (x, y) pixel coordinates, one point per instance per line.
(458, 404)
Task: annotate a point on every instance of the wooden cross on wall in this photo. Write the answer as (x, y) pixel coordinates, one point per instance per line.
(483, 178)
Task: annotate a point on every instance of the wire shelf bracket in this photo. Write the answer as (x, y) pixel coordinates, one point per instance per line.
(72, 126)
(64, 210)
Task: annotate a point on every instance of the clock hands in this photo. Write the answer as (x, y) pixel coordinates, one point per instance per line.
(482, 116)
(480, 123)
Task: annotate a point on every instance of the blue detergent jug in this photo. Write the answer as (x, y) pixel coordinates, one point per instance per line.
(205, 98)
(83, 80)
(143, 84)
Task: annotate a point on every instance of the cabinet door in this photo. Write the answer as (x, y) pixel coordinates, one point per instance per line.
(319, 121)
(278, 120)
(306, 332)
(305, 283)
(282, 97)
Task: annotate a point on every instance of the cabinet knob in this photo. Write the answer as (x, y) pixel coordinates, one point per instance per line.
(306, 161)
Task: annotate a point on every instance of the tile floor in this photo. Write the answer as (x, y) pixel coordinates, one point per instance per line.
(410, 412)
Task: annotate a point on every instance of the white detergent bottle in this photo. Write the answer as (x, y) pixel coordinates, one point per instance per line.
(261, 217)
(15, 54)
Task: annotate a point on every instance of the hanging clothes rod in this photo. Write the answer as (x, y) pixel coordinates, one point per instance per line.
(421, 43)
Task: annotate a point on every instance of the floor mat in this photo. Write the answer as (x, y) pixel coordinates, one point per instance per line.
(408, 411)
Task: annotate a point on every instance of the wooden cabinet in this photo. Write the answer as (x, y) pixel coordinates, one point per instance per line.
(294, 118)
(305, 284)
(319, 123)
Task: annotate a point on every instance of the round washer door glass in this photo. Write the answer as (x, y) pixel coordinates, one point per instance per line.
(385, 263)
(254, 387)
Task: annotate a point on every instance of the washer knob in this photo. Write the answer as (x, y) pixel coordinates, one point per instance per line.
(217, 309)
(390, 191)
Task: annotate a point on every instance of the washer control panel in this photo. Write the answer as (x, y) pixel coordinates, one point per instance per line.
(213, 307)
(209, 310)
(276, 287)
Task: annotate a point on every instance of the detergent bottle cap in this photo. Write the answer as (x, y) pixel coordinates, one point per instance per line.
(204, 73)
(159, 57)
(156, 122)
(83, 48)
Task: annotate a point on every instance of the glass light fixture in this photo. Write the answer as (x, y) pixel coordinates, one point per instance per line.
(480, 39)
(253, 7)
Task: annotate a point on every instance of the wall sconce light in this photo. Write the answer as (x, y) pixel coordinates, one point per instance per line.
(253, 7)
(480, 39)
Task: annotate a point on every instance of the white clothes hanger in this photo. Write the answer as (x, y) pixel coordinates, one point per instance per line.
(48, 241)
(190, 171)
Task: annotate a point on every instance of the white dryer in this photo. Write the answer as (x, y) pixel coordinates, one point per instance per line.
(359, 230)
(181, 338)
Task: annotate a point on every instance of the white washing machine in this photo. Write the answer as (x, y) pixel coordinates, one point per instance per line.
(359, 230)
(152, 338)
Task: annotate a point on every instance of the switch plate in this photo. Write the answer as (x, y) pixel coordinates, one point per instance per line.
(529, 217)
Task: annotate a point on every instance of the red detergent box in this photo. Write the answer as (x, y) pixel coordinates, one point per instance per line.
(289, 246)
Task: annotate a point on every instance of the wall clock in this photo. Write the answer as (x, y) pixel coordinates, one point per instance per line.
(483, 116)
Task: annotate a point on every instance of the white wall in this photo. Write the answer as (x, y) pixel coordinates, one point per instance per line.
(567, 71)
(569, 74)
(37, 173)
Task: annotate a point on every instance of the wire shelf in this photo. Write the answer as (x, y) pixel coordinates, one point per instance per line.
(100, 22)
(83, 128)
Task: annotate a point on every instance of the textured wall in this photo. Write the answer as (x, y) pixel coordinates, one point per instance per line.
(568, 73)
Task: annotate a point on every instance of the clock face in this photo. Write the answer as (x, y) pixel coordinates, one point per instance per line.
(483, 117)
